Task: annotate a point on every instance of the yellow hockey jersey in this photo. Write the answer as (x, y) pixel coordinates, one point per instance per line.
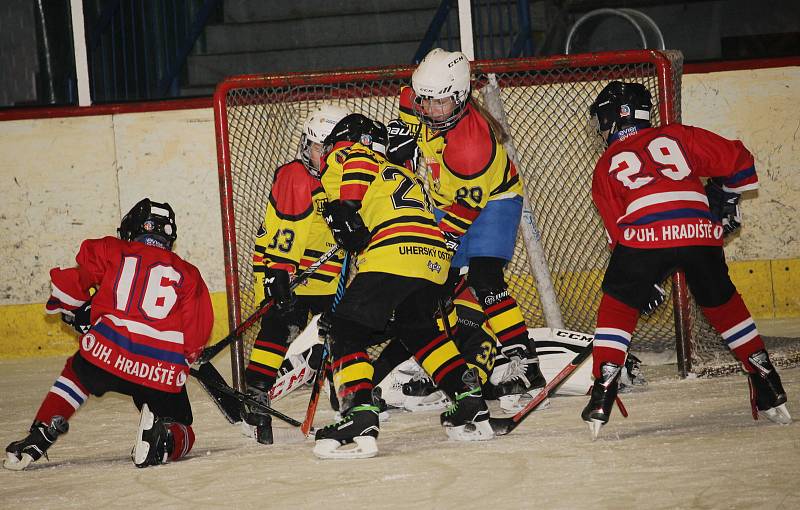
(405, 238)
(293, 234)
(467, 166)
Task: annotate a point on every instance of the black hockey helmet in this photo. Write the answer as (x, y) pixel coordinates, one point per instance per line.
(621, 105)
(359, 128)
(151, 223)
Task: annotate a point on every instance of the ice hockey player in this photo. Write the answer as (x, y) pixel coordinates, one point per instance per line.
(292, 236)
(477, 194)
(379, 213)
(149, 319)
(658, 216)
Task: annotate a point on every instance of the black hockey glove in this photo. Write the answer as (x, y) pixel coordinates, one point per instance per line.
(657, 296)
(346, 225)
(402, 146)
(451, 241)
(277, 287)
(724, 207)
(81, 318)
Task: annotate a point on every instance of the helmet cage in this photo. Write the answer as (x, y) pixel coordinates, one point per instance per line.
(432, 111)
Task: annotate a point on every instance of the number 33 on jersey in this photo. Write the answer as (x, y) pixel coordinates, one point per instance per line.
(648, 188)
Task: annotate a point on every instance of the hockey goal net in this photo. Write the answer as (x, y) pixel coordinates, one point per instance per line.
(544, 105)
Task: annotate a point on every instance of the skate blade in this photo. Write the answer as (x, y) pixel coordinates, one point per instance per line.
(594, 428)
(433, 402)
(142, 448)
(778, 414)
(512, 404)
(476, 431)
(362, 447)
(14, 464)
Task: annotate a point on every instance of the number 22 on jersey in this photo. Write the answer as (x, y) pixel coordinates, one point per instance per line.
(664, 152)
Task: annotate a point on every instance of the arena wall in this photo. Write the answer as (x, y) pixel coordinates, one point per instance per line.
(70, 178)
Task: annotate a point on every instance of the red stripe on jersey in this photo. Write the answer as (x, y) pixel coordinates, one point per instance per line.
(360, 164)
(271, 346)
(331, 268)
(511, 334)
(461, 211)
(352, 389)
(256, 368)
(357, 356)
(352, 192)
(446, 370)
(433, 343)
(435, 232)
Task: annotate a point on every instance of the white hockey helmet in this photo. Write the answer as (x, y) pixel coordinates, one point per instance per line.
(316, 128)
(441, 83)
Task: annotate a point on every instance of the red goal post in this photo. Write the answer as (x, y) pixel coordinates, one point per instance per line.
(542, 102)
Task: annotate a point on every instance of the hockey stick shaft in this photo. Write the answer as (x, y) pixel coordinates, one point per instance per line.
(503, 426)
(322, 373)
(211, 351)
(212, 383)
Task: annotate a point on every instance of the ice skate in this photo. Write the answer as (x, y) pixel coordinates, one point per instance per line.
(767, 396)
(377, 401)
(353, 437)
(517, 381)
(153, 440)
(421, 395)
(467, 419)
(256, 423)
(20, 454)
(631, 374)
(604, 393)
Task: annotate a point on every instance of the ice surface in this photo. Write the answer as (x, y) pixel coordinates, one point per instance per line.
(687, 444)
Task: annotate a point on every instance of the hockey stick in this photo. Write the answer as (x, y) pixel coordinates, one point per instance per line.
(209, 352)
(322, 373)
(503, 426)
(228, 399)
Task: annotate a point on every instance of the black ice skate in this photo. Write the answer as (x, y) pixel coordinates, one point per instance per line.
(604, 393)
(256, 423)
(631, 375)
(153, 440)
(20, 454)
(352, 437)
(422, 395)
(767, 396)
(467, 419)
(521, 380)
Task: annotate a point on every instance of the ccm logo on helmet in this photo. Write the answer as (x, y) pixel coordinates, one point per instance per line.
(456, 61)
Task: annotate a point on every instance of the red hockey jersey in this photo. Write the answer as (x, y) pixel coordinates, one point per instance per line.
(648, 191)
(151, 315)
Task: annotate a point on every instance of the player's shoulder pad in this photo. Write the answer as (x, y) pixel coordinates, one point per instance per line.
(470, 146)
(291, 191)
